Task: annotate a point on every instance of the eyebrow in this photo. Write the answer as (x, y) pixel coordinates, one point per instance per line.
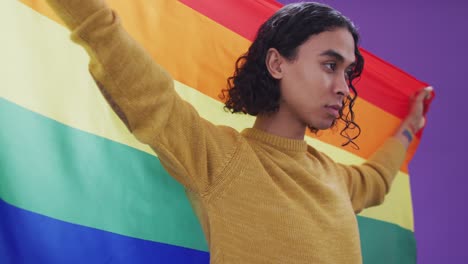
(336, 55)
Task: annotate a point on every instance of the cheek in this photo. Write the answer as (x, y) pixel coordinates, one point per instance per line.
(311, 75)
(322, 81)
(315, 84)
(304, 82)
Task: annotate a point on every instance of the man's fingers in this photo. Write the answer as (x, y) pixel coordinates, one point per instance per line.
(428, 91)
(422, 123)
(424, 94)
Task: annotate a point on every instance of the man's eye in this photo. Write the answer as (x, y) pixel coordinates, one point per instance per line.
(331, 66)
(348, 74)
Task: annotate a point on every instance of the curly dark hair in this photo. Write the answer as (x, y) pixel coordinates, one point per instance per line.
(252, 90)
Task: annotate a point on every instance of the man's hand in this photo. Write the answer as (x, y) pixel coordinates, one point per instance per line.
(415, 120)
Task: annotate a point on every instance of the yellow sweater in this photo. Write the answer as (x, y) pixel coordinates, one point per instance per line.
(260, 198)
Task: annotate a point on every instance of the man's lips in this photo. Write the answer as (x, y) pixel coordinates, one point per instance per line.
(334, 110)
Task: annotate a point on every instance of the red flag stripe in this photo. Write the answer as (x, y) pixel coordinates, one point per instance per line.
(381, 83)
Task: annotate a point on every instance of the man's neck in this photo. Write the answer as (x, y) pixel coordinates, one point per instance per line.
(280, 124)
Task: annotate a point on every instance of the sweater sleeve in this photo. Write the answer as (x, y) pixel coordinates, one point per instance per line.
(369, 183)
(142, 94)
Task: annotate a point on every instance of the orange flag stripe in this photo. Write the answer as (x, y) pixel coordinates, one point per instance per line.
(186, 52)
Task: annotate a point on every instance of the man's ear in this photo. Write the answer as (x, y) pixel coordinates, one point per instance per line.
(274, 62)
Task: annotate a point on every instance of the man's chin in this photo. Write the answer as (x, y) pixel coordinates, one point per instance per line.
(315, 129)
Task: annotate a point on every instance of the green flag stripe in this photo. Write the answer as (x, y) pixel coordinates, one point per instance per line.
(386, 243)
(52, 169)
(62, 172)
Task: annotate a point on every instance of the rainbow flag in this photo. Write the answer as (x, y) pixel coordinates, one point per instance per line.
(76, 187)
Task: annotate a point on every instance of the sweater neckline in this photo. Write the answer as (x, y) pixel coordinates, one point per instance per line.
(288, 144)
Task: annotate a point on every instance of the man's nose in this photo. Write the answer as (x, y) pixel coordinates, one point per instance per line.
(342, 87)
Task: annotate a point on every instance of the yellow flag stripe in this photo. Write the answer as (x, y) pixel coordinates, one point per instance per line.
(70, 96)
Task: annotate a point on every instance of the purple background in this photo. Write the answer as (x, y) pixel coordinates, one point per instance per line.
(429, 40)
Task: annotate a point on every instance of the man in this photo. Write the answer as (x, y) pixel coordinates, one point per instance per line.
(262, 195)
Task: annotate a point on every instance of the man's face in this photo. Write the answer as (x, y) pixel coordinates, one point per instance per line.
(314, 84)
